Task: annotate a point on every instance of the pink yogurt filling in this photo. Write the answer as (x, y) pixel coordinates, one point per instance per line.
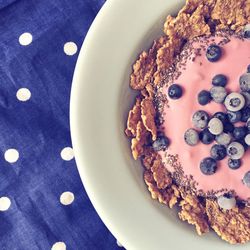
(196, 76)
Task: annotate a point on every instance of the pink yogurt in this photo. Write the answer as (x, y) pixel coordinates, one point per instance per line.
(196, 77)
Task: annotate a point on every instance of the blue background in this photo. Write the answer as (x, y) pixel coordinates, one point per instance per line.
(39, 128)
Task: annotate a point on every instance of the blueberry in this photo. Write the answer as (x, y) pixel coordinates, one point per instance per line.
(248, 124)
(161, 143)
(228, 127)
(215, 126)
(245, 114)
(214, 53)
(245, 82)
(223, 139)
(175, 91)
(218, 94)
(247, 139)
(221, 116)
(219, 80)
(235, 150)
(234, 117)
(247, 34)
(248, 68)
(246, 179)
(226, 202)
(243, 143)
(247, 98)
(247, 31)
(200, 119)
(234, 164)
(191, 137)
(206, 137)
(228, 195)
(208, 166)
(218, 152)
(204, 97)
(240, 203)
(239, 133)
(234, 102)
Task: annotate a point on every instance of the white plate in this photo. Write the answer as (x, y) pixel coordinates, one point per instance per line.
(100, 102)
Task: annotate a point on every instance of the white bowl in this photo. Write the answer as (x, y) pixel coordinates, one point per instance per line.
(100, 101)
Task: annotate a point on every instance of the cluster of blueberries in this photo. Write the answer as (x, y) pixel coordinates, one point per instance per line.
(231, 141)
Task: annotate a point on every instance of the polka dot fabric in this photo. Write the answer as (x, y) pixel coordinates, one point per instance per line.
(43, 204)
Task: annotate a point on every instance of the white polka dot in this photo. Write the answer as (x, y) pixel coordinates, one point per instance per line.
(70, 48)
(119, 244)
(59, 246)
(67, 154)
(67, 198)
(11, 155)
(23, 94)
(4, 203)
(25, 39)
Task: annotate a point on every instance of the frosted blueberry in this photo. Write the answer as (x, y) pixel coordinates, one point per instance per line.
(191, 137)
(218, 94)
(218, 152)
(234, 102)
(235, 150)
(223, 139)
(247, 31)
(206, 137)
(215, 126)
(200, 119)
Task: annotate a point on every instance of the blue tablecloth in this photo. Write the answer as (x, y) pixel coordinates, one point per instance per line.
(43, 204)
